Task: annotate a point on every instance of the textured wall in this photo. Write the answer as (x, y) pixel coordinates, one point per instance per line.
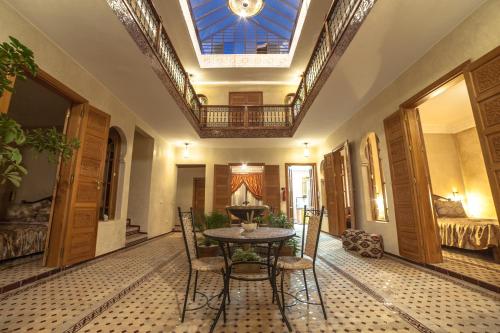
(479, 199)
(185, 176)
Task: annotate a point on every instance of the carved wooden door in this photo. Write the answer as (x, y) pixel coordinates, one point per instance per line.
(86, 183)
(483, 82)
(222, 187)
(271, 191)
(331, 202)
(339, 185)
(199, 197)
(418, 237)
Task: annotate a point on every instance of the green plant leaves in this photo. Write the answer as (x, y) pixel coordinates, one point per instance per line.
(15, 60)
(53, 142)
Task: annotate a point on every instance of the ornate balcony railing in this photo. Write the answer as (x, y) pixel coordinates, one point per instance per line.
(343, 21)
(262, 116)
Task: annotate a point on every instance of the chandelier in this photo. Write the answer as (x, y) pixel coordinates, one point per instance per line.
(246, 8)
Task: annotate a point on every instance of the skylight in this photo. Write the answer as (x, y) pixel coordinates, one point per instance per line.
(244, 33)
(223, 29)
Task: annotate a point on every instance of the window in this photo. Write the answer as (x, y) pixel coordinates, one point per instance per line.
(110, 181)
(373, 179)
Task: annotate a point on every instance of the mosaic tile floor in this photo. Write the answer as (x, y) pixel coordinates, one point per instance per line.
(21, 269)
(141, 289)
(470, 264)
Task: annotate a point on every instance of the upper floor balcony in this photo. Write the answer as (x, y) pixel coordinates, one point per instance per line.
(226, 121)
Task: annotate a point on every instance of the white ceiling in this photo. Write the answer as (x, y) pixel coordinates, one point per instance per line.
(449, 112)
(391, 39)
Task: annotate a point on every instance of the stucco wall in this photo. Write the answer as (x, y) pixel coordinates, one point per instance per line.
(471, 39)
(52, 59)
(271, 94)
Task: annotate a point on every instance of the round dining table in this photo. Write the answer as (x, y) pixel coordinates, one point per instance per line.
(262, 235)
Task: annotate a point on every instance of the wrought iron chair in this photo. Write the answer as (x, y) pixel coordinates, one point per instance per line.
(308, 252)
(196, 264)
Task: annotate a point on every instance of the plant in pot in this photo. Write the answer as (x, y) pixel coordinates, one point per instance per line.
(16, 60)
(241, 256)
(280, 220)
(206, 246)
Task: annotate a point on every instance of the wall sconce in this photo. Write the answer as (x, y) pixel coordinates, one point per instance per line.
(306, 150)
(244, 166)
(454, 192)
(186, 153)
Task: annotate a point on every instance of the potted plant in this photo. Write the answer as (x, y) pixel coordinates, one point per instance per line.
(206, 246)
(15, 61)
(280, 220)
(241, 255)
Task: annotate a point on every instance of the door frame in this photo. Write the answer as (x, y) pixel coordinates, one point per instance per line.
(348, 175)
(56, 230)
(314, 191)
(426, 208)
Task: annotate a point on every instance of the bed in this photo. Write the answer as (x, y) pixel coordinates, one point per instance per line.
(24, 229)
(458, 230)
(19, 239)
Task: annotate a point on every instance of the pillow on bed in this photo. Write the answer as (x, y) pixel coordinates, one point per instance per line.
(449, 208)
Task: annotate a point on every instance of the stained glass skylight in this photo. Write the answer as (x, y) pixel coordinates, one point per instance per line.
(221, 31)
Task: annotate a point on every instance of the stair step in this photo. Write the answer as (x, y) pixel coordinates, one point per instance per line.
(132, 230)
(136, 238)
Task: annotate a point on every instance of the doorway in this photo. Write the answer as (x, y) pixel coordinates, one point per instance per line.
(444, 178)
(301, 189)
(140, 188)
(190, 192)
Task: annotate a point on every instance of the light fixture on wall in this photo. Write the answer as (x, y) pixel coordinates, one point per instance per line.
(186, 153)
(307, 153)
(244, 166)
(246, 8)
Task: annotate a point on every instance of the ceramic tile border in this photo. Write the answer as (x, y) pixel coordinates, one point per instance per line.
(109, 302)
(33, 281)
(379, 298)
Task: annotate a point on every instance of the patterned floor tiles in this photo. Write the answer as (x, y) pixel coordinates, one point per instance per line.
(141, 289)
(468, 263)
(21, 269)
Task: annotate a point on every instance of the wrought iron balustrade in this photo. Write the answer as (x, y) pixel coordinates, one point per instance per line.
(262, 116)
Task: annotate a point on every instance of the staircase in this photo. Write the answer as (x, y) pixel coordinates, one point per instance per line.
(134, 235)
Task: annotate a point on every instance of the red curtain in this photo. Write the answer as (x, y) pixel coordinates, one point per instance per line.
(253, 182)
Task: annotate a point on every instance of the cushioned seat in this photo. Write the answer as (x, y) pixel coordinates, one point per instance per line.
(295, 263)
(209, 264)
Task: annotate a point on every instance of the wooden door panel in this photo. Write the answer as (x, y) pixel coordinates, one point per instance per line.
(331, 201)
(245, 98)
(222, 189)
(199, 196)
(338, 167)
(410, 245)
(81, 230)
(483, 82)
(271, 195)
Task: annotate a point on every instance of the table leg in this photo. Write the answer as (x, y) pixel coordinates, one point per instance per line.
(269, 247)
(275, 288)
(227, 274)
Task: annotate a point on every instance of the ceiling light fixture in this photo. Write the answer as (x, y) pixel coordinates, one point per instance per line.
(306, 150)
(245, 8)
(186, 153)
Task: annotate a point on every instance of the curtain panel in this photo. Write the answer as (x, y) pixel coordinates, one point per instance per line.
(253, 182)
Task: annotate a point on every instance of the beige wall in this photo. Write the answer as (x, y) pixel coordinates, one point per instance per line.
(219, 94)
(479, 199)
(211, 156)
(111, 234)
(444, 164)
(471, 39)
(39, 182)
(185, 178)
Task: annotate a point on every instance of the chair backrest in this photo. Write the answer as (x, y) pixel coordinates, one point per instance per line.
(315, 218)
(188, 233)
